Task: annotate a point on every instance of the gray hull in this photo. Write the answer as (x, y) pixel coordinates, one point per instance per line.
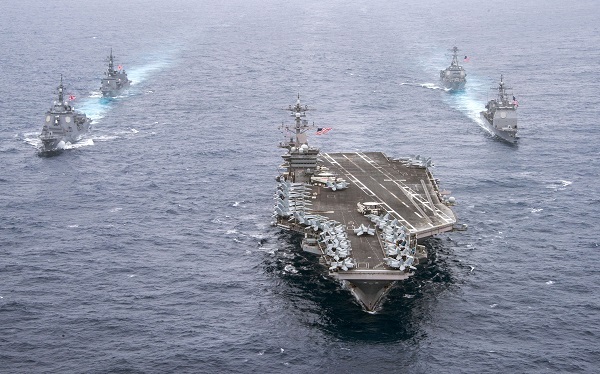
(509, 136)
(51, 140)
(454, 86)
(113, 93)
(113, 87)
(370, 293)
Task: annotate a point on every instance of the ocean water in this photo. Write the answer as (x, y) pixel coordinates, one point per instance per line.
(147, 246)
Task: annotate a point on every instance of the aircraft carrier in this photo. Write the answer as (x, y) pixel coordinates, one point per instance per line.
(361, 212)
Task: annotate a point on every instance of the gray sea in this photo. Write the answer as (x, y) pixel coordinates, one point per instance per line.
(147, 246)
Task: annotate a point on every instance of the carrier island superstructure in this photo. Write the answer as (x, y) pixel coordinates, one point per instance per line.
(361, 212)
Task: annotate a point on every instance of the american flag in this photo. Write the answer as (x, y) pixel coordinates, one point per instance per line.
(71, 97)
(323, 130)
(466, 59)
(120, 67)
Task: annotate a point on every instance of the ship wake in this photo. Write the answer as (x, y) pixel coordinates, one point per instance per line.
(32, 139)
(96, 106)
(141, 73)
(471, 101)
(429, 86)
(80, 144)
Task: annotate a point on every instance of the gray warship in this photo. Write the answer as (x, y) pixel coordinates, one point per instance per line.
(500, 115)
(62, 124)
(115, 81)
(454, 76)
(362, 213)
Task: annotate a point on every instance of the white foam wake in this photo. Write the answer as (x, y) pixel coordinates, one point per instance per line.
(80, 144)
(471, 101)
(96, 106)
(141, 73)
(430, 86)
(559, 185)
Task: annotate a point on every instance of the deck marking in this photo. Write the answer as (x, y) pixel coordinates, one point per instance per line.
(414, 194)
(371, 193)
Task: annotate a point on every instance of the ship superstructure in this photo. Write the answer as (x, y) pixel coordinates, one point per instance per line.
(454, 77)
(62, 124)
(500, 115)
(361, 212)
(115, 80)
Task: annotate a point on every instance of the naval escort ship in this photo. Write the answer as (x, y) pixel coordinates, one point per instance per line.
(114, 81)
(62, 124)
(500, 115)
(454, 77)
(362, 213)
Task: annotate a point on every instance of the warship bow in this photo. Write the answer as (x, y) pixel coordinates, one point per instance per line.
(500, 115)
(454, 77)
(115, 80)
(62, 124)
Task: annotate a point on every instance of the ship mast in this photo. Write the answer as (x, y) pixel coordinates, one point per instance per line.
(300, 126)
(60, 91)
(502, 96)
(454, 56)
(111, 67)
